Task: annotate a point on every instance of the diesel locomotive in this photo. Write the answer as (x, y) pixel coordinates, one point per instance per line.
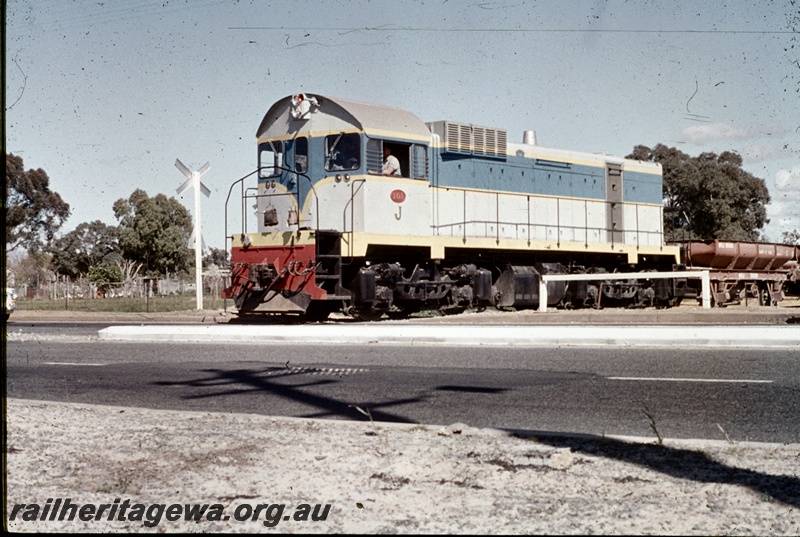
(469, 220)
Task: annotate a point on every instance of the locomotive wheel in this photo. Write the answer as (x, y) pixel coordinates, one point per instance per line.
(404, 313)
(318, 312)
(451, 310)
(368, 315)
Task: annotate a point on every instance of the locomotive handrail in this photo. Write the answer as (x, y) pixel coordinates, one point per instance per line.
(703, 275)
(612, 233)
(244, 205)
(531, 226)
(244, 197)
(227, 199)
(297, 184)
(316, 200)
(352, 216)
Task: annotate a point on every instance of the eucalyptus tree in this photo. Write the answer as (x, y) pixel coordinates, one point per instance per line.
(154, 231)
(708, 196)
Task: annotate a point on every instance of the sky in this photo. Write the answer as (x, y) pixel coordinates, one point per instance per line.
(106, 95)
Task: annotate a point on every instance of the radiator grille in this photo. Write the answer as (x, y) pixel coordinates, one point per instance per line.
(466, 139)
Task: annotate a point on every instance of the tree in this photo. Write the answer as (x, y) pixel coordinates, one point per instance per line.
(216, 256)
(30, 269)
(105, 276)
(154, 232)
(84, 247)
(33, 212)
(791, 237)
(130, 270)
(709, 196)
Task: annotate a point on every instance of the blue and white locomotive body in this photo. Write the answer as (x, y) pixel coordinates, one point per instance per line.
(471, 220)
(532, 193)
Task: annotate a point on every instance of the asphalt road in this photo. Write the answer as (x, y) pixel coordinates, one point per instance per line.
(747, 394)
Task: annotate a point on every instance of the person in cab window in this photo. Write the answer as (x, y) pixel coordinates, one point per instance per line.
(391, 166)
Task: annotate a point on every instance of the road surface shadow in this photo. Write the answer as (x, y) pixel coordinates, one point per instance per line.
(227, 382)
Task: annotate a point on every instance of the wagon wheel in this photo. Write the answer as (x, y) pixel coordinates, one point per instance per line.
(764, 296)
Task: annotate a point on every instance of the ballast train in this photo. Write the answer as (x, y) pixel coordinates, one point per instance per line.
(469, 220)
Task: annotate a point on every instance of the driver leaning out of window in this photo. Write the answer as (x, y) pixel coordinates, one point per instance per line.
(391, 166)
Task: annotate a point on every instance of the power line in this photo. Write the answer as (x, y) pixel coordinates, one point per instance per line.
(506, 30)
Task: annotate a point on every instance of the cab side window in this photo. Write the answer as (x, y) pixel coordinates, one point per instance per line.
(270, 159)
(342, 152)
(413, 158)
(419, 167)
(301, 155)
(374, 156)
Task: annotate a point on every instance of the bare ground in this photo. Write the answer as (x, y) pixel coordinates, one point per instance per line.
(387, 478)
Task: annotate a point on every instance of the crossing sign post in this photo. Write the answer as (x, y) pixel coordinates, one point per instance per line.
(193, 181)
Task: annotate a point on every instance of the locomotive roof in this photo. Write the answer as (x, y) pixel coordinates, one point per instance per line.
(334, 114)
